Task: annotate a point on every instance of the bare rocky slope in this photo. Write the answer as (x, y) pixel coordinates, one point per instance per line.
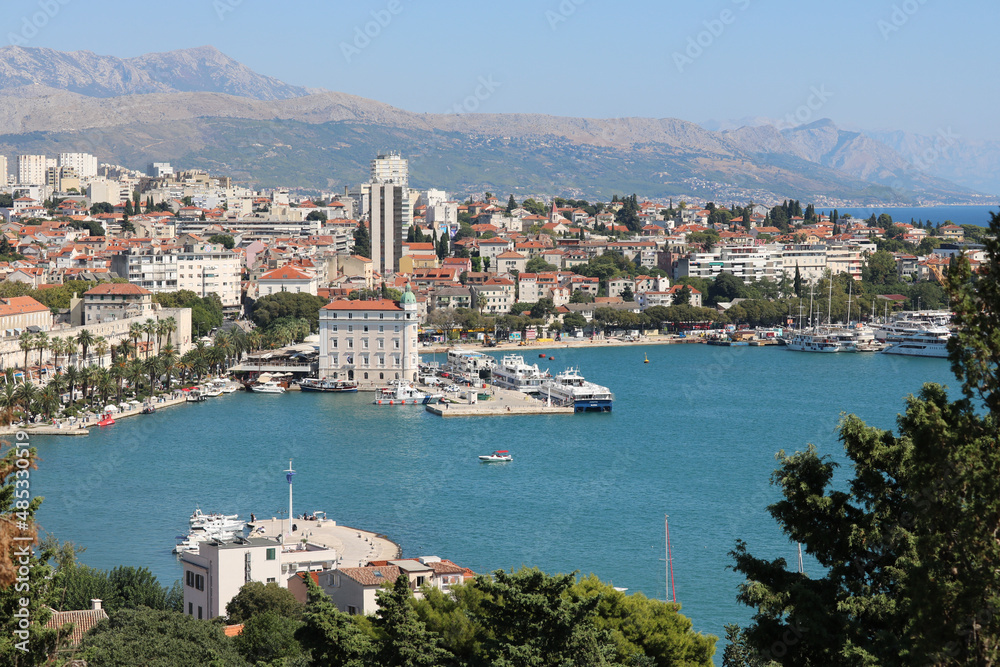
(200, 108)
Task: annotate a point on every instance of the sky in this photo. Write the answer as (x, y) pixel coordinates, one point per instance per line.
(923, 66)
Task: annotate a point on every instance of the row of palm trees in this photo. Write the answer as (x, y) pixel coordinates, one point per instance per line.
(86, 341)
(131, 375)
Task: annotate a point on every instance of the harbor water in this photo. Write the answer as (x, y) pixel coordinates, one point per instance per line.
(693, 434)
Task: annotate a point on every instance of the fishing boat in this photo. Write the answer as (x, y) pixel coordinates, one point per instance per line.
(499, 456)
(513, 373)
(571, 389)
(316, 384)
(195, 396)
(403, 393)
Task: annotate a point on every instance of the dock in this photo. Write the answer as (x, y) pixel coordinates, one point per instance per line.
(354, 547)
(500, 403)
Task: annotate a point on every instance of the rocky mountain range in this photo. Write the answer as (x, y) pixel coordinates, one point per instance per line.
(199, 108)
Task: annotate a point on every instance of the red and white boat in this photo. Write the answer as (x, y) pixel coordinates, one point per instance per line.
(499, 456)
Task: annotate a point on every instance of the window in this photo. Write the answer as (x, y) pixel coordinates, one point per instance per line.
(350, 328)
(271, 580)
(190, 578)
(365, 329)
(381, 343)
(364, 343)
(270, 553)
(350, 342)
(352, 610)
(366, 376)
(199, 613)
(190, 608)
(333, 328)
(333, 343)
(420, 581)
(395, 343)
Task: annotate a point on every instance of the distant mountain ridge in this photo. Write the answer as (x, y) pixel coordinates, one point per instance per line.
(202, 69)
(200, 108)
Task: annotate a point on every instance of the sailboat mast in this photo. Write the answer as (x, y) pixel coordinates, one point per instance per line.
(812, 291)
(670, 557)
(829, 303)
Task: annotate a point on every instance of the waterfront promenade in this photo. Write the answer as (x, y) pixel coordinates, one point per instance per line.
(501, 403)
(354, 547)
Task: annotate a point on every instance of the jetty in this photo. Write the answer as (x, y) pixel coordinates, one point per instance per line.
(492, 401)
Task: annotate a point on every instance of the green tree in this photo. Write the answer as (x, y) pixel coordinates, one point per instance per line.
(531, 618)
(726, 287)
(627, 294)
(404, 640)
(257, 598)
(316, 215)
(268, 638)
(333, 638)
(575, 321)
(511, 205)
(879, 268)
(157, 639)
(538, 265)
(362, 241)
(225, 240)
(798, 281)
(906, 544)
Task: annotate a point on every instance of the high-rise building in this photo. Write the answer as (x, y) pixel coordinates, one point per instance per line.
(84, 164)
(386, 226)
(3, 171)
(390, 168)
(31, 169)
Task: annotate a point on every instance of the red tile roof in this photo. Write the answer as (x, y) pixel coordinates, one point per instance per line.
(121, 289)
(82, 621)
(285, 273)
(18, 305)
(377, 304)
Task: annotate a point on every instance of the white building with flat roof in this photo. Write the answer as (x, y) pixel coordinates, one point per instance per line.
(31, 169)
(205, 268)
(84, 164)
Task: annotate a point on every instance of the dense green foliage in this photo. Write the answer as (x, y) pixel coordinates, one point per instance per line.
(362, 241)
(206, 313)
(123, 587)
(157, 639)
(256, 598)
(225, 240)
(273, 307)
(907, 544)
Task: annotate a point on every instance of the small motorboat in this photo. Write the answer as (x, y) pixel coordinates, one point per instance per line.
(149, 409)
(499, 456)
(106, 420)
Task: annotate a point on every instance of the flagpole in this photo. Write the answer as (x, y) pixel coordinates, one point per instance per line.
(288, 475)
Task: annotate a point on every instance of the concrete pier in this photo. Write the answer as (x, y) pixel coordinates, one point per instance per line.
(354, 547)
(501, 403)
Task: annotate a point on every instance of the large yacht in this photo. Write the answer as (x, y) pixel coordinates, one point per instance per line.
(513, 373)
(570, 388)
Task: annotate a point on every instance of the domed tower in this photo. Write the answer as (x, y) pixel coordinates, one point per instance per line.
(411, 321)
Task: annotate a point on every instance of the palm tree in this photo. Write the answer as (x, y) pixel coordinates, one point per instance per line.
(162, 328)
(101, 347)
(72, 377)
(170, 326)
(84, 339)
(56, 347)
(87, 375)
(134, 372)
(170, 359)
(27, 343)
(481, 302)
(153, 366)
(41, 344)
(149, 328)
(26, 394)
(135, 333)
(48, 400)
(8, 403)
(104, 384)
(117, 373)
(124, 349)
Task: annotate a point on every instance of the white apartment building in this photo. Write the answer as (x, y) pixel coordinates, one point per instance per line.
(4, 173)
(214, 575)
(845, 258)
(390, 168)
(147, 267)
(31, 169)
(205, 268)
(744, 262)
(84, 164)
(810, 259)
(369, 342)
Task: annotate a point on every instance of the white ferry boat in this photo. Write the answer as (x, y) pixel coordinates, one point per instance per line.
(912, 323)
(468, 362)
(820, 340)
(269, 387)
(570, 388)
(324, 385)
(513, 373)
(929, 342)
(403, 393)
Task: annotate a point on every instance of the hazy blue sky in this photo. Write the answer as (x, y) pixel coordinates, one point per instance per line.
(881, 64)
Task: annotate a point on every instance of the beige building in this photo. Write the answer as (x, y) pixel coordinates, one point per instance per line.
(116, 301)
(205, 268)
(369, 342)
(286, 279)
(18, 313)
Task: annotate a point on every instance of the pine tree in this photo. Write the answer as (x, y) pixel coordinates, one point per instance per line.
(362, 241)
(405, 640)
(128, 208)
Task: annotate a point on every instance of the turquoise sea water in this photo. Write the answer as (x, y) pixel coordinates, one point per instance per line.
(959, 215)
(693, 435)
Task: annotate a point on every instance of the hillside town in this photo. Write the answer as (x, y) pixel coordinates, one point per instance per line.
(130, 237)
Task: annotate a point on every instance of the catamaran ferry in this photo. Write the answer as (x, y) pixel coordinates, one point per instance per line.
(570, 388)
(513, 373)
